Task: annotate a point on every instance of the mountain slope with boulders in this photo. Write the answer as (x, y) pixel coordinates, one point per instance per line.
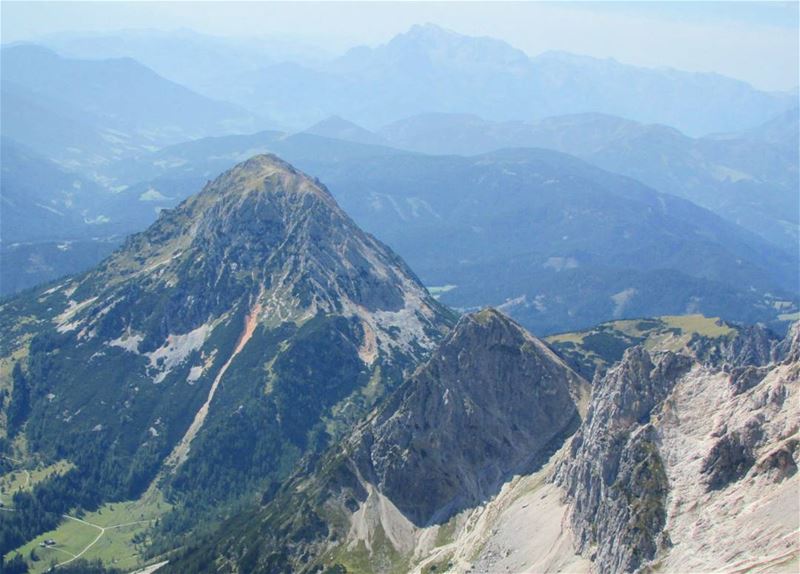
(684, 460)
(252, 324)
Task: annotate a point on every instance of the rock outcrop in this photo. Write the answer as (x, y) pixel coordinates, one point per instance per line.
(614, 475)
(491, 402)
(670, 443)
(672, 469)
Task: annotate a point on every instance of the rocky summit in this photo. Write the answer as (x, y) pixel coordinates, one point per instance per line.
(490, 381)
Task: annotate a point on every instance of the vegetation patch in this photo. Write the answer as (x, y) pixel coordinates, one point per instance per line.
(23, 480)
(599, 347)
(115, 535)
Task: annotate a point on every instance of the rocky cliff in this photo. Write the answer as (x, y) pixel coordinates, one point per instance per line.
(681, 466)
(493, 401)
(673, 468)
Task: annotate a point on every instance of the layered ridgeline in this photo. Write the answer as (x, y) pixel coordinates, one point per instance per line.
(684, 460)
(86, 112)
(248, 326)
(568, 246)
(748, 177)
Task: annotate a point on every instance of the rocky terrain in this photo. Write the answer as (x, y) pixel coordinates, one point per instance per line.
(674, 468)
(490, 381)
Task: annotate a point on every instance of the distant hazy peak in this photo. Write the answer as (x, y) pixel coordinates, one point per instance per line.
(337, 127)
(427, 37)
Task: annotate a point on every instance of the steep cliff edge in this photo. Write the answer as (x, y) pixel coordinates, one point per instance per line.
(679, 467)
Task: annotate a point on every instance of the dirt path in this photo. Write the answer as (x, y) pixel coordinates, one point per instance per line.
(181, 450)
(92, 543)
(102, 530)
(60, 550)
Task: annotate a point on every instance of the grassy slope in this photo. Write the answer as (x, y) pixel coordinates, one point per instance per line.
(604, 344)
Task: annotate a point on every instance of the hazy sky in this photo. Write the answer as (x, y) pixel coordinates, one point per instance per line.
(754, 41)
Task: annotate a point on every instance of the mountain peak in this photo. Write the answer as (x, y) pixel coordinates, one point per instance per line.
(260, 166)
(430, 30)
(264, 161)
(266, 174)
(433, 38)
(337, 127)
(265, 231)
(490, 315)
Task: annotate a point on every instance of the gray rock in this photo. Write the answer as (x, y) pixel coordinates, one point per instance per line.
(614, 475)
(493, 400)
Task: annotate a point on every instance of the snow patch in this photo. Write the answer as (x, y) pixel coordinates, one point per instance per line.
(152, 194)
(129, 342)
(175, 351)
(560, 263)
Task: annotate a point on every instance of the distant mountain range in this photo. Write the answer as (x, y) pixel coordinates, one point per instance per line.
(749, 177)
(175, 54)
(86, 112)
(429, 69)
(444, 214)
(545, 331)
(42, 200)
(51, 221)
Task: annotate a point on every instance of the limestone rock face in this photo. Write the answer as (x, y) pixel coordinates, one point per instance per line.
(673, 446)
(753, 346)
(788, 350)
(492, 400)
(614, 474)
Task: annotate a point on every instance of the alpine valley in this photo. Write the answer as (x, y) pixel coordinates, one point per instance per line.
(254, 384)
